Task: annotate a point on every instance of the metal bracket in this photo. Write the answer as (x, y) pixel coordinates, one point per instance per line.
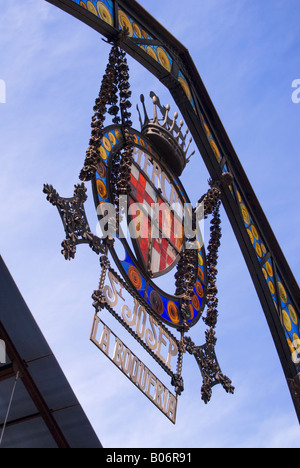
(74, 219)
(208, 364)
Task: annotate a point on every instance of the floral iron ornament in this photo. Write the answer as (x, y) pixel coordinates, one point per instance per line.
(74, 219)
(143, 168)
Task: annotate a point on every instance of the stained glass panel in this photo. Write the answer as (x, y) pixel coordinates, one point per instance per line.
(159, 228)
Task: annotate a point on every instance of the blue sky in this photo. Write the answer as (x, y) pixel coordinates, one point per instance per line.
(247, 54)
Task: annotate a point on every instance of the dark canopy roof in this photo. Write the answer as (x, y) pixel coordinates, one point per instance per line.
(44, 412)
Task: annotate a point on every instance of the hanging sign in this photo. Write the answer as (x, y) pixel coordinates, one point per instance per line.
(136, 371)
(137, 191)
(135, 317)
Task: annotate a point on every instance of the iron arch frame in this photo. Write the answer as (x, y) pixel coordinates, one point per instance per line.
(173, 66)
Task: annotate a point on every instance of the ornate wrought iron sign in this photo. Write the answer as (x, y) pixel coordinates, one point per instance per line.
(143, 207)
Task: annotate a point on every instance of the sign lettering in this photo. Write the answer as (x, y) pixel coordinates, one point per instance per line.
(134, 369)
(157, 338)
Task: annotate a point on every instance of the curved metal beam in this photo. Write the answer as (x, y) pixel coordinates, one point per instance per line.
(169, 61)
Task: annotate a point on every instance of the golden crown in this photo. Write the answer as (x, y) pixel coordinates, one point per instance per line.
(166, 135)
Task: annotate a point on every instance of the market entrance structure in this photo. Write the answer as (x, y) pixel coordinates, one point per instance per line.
(169, 61)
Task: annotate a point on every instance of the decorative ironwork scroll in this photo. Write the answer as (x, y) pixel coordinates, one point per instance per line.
(74, 219)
